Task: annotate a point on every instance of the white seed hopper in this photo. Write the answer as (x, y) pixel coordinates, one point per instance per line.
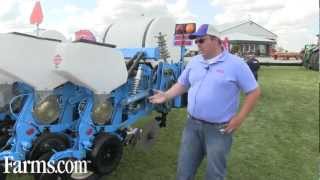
(53, 34)
(141, 32)
(6, 92)
(6, 78)
(29, 59)
(94, 65)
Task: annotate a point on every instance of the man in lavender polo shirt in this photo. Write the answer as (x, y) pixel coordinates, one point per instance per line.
(214, 80)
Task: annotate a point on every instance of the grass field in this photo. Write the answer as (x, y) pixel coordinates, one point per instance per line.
(278, 141)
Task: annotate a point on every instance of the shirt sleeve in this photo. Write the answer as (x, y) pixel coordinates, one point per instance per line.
(245, 78)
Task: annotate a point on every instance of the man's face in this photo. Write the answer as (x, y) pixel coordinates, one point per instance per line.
(206, 44)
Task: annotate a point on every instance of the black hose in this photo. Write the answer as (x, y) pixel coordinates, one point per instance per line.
(138, 56)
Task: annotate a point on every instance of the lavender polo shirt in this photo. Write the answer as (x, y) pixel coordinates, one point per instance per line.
(215, 85)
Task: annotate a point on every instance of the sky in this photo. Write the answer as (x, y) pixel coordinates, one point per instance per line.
(295, 22)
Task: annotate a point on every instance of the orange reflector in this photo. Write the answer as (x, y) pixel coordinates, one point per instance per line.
(190, 28)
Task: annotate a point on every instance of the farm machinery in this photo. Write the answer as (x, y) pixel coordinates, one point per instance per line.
(82, 100)
(311, 57)
(43, 103)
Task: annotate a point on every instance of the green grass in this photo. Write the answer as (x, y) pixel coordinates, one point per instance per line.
(278, 141)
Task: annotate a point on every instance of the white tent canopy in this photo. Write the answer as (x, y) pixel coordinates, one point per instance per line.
(245, 37)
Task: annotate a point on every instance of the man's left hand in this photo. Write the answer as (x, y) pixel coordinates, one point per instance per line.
(233, 124)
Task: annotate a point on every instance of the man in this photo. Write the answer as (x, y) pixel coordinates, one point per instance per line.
(254, 65)
(213, 80)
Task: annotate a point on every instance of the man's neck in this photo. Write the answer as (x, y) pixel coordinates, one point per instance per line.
(213, 54)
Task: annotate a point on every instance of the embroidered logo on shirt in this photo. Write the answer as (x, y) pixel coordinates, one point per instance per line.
(221, 71)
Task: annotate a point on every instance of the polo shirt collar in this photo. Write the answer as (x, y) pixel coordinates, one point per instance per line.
(219, 58)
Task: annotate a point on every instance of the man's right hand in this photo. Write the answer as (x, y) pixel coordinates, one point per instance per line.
(158, 98)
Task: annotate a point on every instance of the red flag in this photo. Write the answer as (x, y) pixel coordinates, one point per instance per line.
(36, 16)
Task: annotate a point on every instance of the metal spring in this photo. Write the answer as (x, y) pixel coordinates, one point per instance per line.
(135, 88)
(162, 44)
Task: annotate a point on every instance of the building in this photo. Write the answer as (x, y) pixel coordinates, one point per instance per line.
(248, 37)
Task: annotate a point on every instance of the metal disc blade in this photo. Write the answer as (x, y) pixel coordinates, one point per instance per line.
(149, 134)
(81, 176)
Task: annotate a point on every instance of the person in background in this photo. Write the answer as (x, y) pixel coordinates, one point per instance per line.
(254, 65)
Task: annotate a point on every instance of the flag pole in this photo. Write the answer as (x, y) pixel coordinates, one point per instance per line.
(37, 30)
(36, 16)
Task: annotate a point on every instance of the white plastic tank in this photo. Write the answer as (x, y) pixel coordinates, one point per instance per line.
(29, 59)
(6, 92)
(94, 65)
(142, 32)
(7, 78)
(52, 34)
